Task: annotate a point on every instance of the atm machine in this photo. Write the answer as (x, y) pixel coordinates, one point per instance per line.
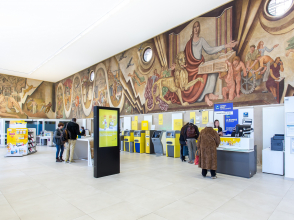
(128, 140)
(149, 144)
(173, 147)
(139, 140)
(157, 142)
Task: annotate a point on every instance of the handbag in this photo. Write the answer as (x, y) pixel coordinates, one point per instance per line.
(196, 161)
(185, 151)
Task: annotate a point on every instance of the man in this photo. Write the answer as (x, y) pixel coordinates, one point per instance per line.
(190, 135)
(251, 56)
(34, 104)
(74, 130)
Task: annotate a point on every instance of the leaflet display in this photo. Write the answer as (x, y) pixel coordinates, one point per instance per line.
(108, 128)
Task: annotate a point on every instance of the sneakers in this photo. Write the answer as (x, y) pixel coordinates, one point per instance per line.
(65, 161)
(213, 177)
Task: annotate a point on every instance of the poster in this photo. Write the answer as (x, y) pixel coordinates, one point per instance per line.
(144, 125)
(192, 116)
(108, 128)
(204, 117)
(226, 142)
(136, 118)
(178, 124)
(231, 121)
(17, 139)
(160, 119)
(134, 125)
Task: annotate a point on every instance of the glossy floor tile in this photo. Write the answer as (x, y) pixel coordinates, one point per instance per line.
(148, 188)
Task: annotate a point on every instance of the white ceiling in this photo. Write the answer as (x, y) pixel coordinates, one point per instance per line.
(52, 39)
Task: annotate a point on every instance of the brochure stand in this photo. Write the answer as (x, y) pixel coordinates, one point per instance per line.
(106, 141)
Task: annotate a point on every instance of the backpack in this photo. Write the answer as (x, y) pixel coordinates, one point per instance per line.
(191, 131)
(65, 135)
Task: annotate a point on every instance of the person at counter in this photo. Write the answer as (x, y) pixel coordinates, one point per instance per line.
(59, 143)
(83, 132)
(74, 130)
(191, 135)
(208, 141)
(220, 130)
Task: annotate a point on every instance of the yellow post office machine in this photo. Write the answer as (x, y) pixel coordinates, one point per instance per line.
(139, 139)
(173, 147)
(129, 140)
(149, 144)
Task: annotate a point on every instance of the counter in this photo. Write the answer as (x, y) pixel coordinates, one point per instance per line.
(83, 149)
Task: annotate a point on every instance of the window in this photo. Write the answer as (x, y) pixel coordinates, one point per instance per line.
(278, 7)
(92, 76)
(147, 54)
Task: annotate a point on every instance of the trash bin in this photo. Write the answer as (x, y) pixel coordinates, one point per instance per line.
(44, 142)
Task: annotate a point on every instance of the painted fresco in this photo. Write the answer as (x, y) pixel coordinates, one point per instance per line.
(237, 53)
(25, 98)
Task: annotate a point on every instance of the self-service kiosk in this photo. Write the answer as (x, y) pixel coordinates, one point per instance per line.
(149, 144)
(157, 138)
(173, 147)
(139, 140)
(129, 141)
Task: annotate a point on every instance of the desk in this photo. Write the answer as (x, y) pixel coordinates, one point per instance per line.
(49, 140)
(83, 149)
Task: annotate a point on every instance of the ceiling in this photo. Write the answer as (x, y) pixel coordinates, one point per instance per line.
(52, 39)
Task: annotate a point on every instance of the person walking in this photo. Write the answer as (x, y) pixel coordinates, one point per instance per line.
(74, 130)
(191, 135)
(208, 141)
(59, 143)
(183, 142)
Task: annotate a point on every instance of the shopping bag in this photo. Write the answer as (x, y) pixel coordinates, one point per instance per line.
(196, 161)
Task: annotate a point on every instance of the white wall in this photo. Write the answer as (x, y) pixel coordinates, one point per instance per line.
(273, 123)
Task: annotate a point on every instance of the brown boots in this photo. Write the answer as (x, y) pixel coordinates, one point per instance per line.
(59, 159)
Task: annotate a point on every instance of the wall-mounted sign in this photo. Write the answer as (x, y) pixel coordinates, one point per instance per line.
(223, 107)
(245, 114)
(160, 119)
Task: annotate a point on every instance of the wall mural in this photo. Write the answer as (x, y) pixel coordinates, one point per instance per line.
(236, 53)
(25, 98)
(212, 59)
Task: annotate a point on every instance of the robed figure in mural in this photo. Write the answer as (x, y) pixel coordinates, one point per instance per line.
(193, 52)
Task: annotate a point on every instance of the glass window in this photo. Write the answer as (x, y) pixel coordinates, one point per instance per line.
(147, 54)
(92, 76)
(279, 7)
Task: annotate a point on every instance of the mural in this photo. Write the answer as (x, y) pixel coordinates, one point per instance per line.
(236, 53)
(25, 98)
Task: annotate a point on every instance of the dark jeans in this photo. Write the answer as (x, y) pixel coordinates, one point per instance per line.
(182, 149)
(204, 172)
(59, 148)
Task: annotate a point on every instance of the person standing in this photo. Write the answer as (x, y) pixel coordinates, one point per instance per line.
(74, 130)
(219, 129)
(191, 135)
(208, 141)
(59, 143)
(183, 142)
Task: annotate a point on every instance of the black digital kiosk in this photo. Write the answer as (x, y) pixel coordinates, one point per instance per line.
(106, 141)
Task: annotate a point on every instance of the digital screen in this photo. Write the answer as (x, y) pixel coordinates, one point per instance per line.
(169, 134)
(108, 128)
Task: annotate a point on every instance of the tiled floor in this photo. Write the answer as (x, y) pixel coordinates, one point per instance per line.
(148, 188)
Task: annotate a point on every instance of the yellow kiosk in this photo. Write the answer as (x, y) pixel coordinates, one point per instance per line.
(149, 144)
(173, 147)
(129, 141)
(139, 140)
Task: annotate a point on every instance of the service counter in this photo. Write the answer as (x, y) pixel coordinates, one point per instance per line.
(237, 157)
(83, 149)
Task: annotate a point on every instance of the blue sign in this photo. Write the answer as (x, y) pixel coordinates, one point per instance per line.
(245, 114)
(223, 107)
(231, 121)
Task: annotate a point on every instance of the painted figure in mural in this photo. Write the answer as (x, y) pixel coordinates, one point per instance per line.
(27, 90)
(231, 85)
(238, 67)
(275, 69)
(175, 84)
(34, 104)
(193, 53)
(261, 48)
(6, 106)
(251, 57)
(48, 107)
(137, 79)
(77, 103)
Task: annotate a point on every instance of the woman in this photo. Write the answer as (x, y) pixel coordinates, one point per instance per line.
(59, 143)
(193, 53)
(275, 69)
(183, 142)
(82, 130)
(220, 130)
(208, 141)
(261, 48)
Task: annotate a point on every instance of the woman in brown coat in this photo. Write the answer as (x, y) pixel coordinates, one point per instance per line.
(208, 141)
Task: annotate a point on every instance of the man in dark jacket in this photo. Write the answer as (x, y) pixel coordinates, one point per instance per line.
(74, 131)
(191, 134)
